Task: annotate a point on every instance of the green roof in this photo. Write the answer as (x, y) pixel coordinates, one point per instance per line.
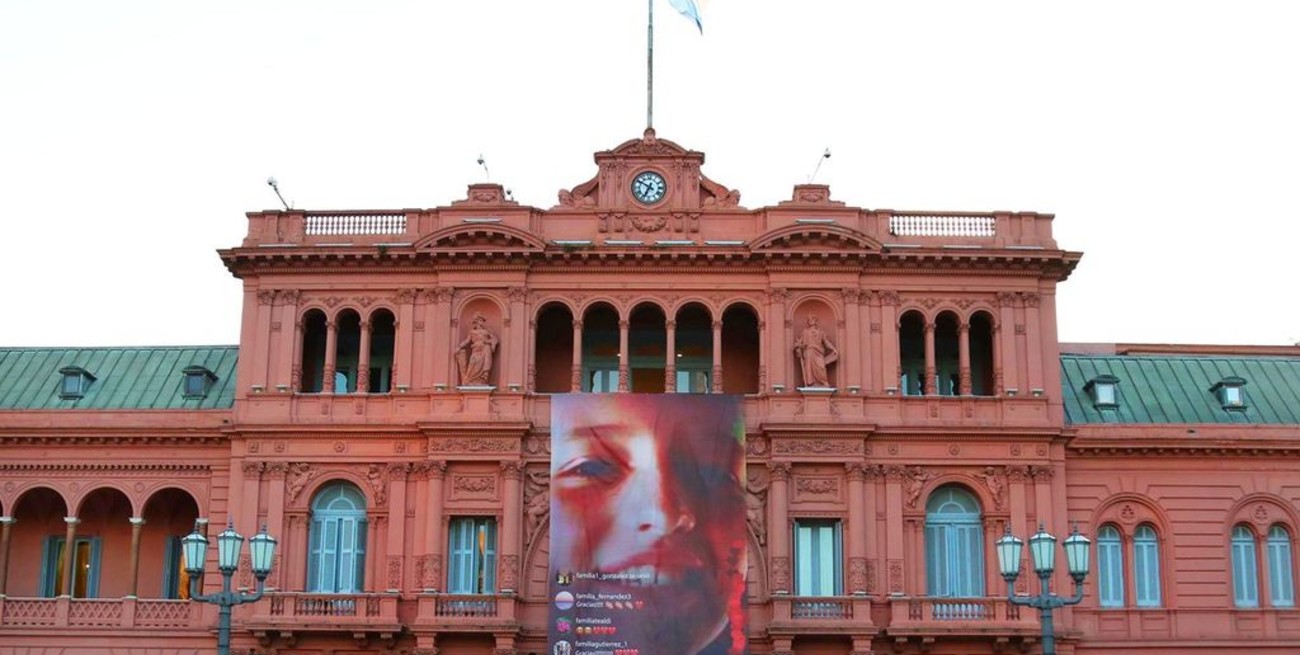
(1176, 388)
(124, 378)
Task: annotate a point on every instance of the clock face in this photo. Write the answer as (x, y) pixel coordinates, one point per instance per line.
(649, 187)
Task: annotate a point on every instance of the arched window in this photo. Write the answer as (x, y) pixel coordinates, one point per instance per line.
(337, 560)
(347, 351)
(954, 544)
(553, 350)
(982, 377)
(946, 355)
(911, 354)
(1146, 566)
(600, 354)
(740, 348)
(383, 338)
(1245, 582)
(312, 364)
(1110, 567)
(1281, 581)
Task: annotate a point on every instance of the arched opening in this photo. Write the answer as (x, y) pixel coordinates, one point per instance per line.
(1245, 568)
(694, 345)
(911, 354)
(946, 357)
(981, 355)
(102, 553)
(347, 351)
(1110, 567)
(1146, 566)
(647, 341)
(336, 561)
(383, 339)
(553, 349)
(169, 515)
(954, 544)
(740, 350)
(312, 364)
(1281, 580)
(600, 349)
(39, 513)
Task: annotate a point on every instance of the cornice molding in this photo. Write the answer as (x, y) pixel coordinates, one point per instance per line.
(105, 467)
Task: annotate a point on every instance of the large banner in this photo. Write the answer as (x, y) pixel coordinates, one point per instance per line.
(647, 525)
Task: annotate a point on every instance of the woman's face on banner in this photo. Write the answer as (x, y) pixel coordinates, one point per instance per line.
(648, 502)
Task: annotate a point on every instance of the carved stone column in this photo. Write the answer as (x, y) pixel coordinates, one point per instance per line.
(363, 360)
(963, 358)
(433, 528)
(511, 472)
(1006, 340)
(778, 350)
(137, 523)
(623, 363)
(670, 363)
(575, 380)
(397, 474)
(6, 526)
(331, 357)
(857, 531)
(514, 340)
(440, 367)
(69, 554)
(931, 385)
(716, 387)
(778, 530)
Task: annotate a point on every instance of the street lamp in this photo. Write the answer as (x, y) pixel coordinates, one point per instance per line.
(1042, 546)
(261, 551)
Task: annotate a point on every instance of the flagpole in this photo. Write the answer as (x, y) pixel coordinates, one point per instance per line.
(650, 67)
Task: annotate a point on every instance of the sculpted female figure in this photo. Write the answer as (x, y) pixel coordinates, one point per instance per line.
(815, 352)
(474, 354)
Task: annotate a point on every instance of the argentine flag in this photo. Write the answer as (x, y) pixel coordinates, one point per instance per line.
(689, 9)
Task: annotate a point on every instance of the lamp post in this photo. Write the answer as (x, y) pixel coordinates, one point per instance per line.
(1042, 546)
(261, 550)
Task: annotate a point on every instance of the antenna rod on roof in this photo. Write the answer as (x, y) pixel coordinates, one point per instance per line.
(825, 155)
(650, 68)
(486, 173)
(275, 186)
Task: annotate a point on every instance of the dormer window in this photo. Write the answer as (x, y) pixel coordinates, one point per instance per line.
(1104, 390)
(1231, 392)
(197, 381)
(76, 381)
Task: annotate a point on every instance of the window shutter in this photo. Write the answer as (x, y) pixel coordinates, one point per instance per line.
(461, 565)
(1245, 591)
(969, 563)
(489, 557)
(1110, 569)
(1146, 561)
(314, 555)
(936, 558)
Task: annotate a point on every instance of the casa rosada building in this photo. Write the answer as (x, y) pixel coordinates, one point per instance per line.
(406, 476)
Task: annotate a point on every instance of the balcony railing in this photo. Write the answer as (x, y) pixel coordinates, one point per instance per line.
(940, 225)
(115, 613)
(349, 610)
(821, 608)
(917, 614)
(354, 224)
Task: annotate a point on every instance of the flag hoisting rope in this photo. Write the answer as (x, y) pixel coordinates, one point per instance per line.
(687, 8)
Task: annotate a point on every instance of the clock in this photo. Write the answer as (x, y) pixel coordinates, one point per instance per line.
(649, 187)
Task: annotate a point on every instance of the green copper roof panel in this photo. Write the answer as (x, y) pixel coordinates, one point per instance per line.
(125, 378)
(1176, 389)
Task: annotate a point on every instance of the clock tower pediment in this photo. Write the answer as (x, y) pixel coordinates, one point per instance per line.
(649, 175)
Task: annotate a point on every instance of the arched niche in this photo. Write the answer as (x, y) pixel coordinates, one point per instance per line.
(469, 353)
(816, 310)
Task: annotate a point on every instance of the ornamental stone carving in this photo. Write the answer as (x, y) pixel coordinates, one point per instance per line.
(815, 353)
(537, 501)
(756, 484)
(394, 572)
(817, 447)
(471, 445)
(509, 572)
(997, 486)
(299, 476)
(377, 478)
(857, 575)
(474, 354)
(914, 481)
(781, 574)
(817, 486)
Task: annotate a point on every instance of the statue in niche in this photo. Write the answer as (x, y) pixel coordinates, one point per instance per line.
(815, 352)
(474, 354)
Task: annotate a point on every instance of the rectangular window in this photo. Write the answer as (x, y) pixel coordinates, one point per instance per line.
(817, 556)
(954, 560)
(473, 559)
(1110, 572)
(602, 381)
(337, 553)
(85, 565)
(1146, 566)
(176, 581)
(692, 381)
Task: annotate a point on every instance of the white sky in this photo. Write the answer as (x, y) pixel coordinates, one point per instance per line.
(134, 136)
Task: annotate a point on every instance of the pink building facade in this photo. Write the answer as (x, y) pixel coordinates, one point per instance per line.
(401, 456)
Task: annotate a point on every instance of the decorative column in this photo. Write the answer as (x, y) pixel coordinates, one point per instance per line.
(397, 475)
(623, 382)
(69, 554)
(363, 360)
(331, 356)
(284, 350)
(852, 376)
(514, 358)
(440, 353)
(670, 366)
(137, 523)
(433, 528)
(511, 471)
(778, 531)
(778, 352)
(1034, 334)
(6, 526)
(575, 380)
(260, 354)
(716, 387)
(1006, 369)
(857, 531)
(295, 370)
(276, 473)
(894, 529)
(963, 358)
(931, 386)
(884, 337)
(402, 352)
